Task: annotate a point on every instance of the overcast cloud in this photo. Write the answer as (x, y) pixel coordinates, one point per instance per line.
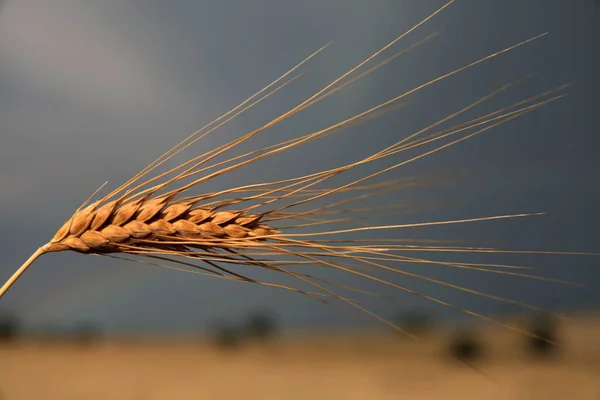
(92, 91)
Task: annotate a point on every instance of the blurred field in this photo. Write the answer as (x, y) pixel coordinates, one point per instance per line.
(302, 366)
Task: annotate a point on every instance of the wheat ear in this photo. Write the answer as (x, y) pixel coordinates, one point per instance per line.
(160, 220)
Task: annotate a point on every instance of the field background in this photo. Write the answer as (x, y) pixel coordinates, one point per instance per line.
(305, 365)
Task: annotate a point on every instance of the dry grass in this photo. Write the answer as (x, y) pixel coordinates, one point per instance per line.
(156, 217)
(330, 366)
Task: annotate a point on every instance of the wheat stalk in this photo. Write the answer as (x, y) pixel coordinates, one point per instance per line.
(159, 219)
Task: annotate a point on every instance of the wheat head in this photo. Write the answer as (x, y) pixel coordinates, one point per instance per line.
(160, 219)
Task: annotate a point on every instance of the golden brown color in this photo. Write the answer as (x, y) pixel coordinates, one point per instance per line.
(332, 366)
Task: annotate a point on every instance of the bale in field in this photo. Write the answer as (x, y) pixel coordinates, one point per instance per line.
(466, 347)
(544, 342)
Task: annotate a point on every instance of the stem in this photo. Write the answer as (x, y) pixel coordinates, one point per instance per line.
(20, 271)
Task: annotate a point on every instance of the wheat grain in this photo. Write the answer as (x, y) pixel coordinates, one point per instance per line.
(163, 221)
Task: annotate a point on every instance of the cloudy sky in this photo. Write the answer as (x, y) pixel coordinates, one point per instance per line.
(93, 91)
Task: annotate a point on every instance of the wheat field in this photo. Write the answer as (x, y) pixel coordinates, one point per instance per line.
(332, 365)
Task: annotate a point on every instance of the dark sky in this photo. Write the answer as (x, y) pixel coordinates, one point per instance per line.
(93, 91)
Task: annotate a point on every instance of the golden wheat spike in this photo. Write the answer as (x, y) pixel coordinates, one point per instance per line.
(160, 219)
